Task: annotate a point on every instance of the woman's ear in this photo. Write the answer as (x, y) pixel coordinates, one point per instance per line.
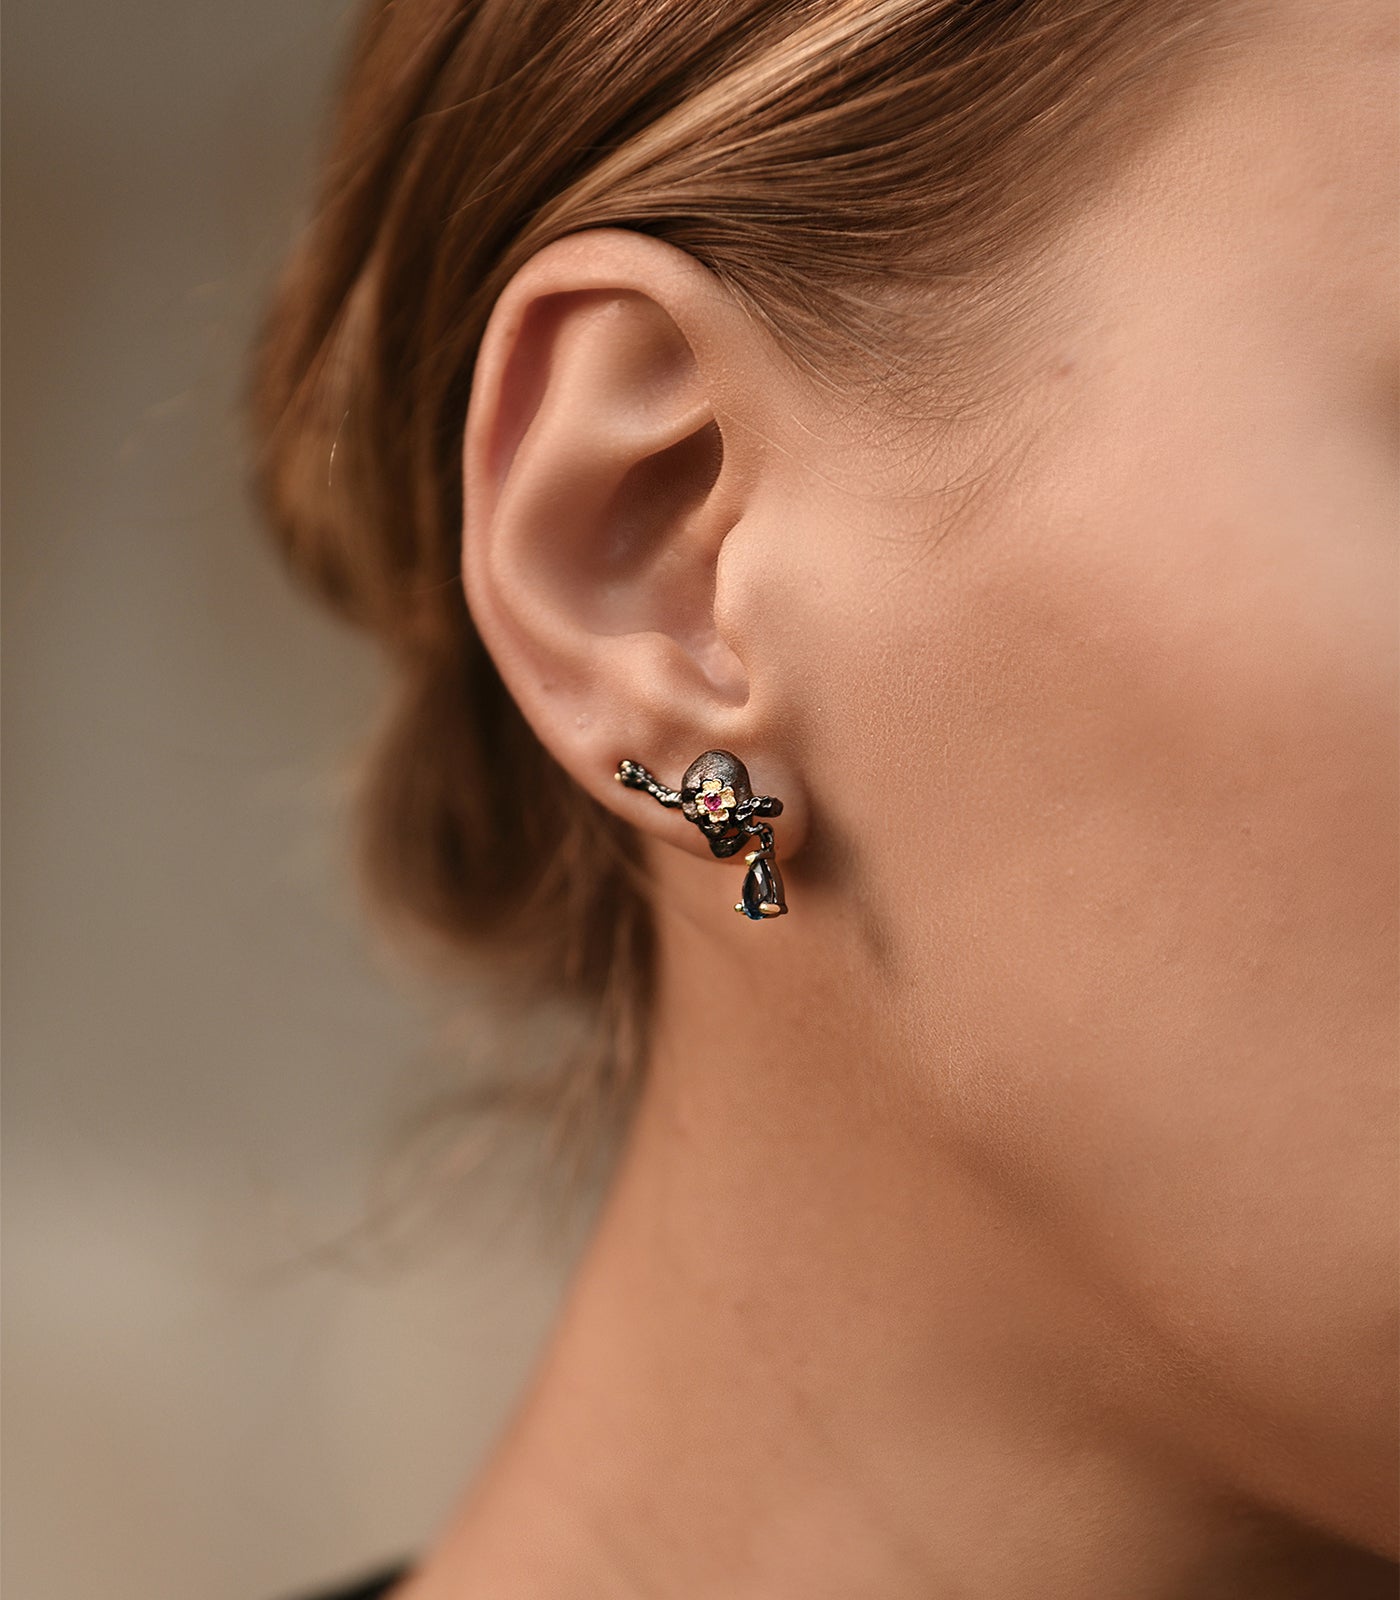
(610, 455)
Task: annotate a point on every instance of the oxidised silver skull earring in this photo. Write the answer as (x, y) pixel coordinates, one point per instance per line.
(716, 795)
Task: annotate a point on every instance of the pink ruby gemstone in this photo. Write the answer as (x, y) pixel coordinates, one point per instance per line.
(711, 802)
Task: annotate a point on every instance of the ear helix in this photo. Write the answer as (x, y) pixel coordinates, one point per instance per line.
(716, 795)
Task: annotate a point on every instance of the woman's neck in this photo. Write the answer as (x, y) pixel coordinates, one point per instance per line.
(807, 1354)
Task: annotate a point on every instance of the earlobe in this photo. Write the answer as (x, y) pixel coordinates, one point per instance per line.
(601, 483)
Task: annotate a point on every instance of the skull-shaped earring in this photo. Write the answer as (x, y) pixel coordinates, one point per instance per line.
(715, 794)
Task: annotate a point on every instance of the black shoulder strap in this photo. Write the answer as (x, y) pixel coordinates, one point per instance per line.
(376, 1586)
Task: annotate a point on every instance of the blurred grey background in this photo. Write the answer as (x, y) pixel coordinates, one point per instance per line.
(204, 1055)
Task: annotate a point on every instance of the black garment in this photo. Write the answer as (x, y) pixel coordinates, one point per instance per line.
(374, 1587)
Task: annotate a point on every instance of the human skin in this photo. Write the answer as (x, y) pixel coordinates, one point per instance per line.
(1017, 1216)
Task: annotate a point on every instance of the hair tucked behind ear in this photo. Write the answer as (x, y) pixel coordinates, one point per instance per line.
(833, 162)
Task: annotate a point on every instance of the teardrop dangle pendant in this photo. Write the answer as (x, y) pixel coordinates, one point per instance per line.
(716, 795)
(762, 894)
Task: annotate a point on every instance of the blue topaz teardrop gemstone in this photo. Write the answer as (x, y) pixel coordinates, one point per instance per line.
(762, 894)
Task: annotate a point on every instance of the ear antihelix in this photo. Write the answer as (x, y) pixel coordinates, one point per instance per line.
(717, 796)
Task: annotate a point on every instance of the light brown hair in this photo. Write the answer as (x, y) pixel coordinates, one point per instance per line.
(837, 164)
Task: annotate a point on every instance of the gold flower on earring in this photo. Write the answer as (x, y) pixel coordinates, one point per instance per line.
(714, 801)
